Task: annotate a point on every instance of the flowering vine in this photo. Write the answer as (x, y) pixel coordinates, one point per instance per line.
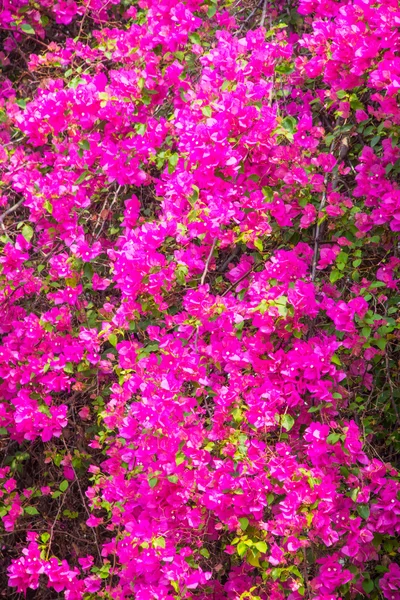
(199, 214)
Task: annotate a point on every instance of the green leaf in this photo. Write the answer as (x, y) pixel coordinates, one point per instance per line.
(276, 573)
(195, 38)
(173, 159)
(388, 168)
(180, 274)
(375, 140)
(153, 481)
(179, 458)
(81, 178)
(258, 244)
(48, 206)
(252, 559)
(366, 331)
(261, 546)
(284, 68)
(27, 232)
(175, 585)
(289, 123)
(333, 438)
(335, 276)
(172, 162)
(3, 431)
(381, 343)
(195, 196)
(112, 338)
(244, 523)
(363, 510)
(45, 537)
(241, 548)
(63, 486)
(204, 552)
(88, 271)
(268, 193)
(287, 422)
(206, 110)
(355, 103)
(375, 239)
(31, 510)
(159, 543)
(211, 11)
(368, 585)
(84, 144)
(140, 128)
(173, 478)
(26, 28)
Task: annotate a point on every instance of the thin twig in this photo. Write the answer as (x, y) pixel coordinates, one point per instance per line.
(13, 141)
(229, 259)
(344, 148)
(249, 16)
(264, 12)
(82, 22)
(82, 498)
(8, 211)
(53, 525)
(104, 206)
(305, 572)
(343, 151)
(235, 283)
(392, 390)
(317, 233)
(27, 35)
(202, 280)
(203, 277)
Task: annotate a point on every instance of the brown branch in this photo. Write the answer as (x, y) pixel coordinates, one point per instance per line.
(264, 12)
(239, 280)
(8, 211)
(82, 498)
(391, 387)
(203, 277)
(104, 206)
(344, 148)
(53, 525)
(249, 17)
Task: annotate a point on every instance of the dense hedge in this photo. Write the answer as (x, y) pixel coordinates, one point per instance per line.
(199, 292)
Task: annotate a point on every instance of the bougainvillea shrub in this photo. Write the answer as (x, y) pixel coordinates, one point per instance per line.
(199, 292)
